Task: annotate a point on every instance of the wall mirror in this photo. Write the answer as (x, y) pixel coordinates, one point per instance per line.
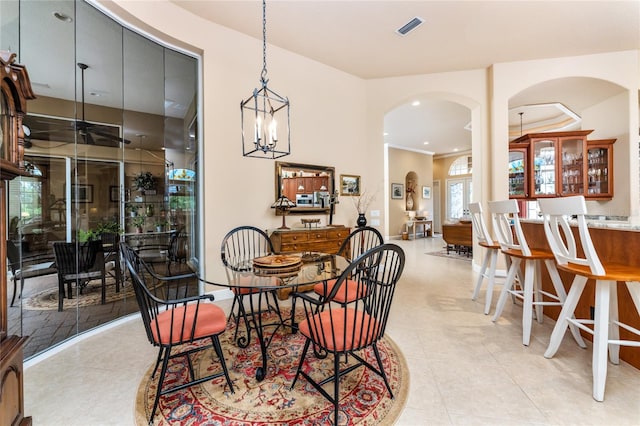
(306, 185)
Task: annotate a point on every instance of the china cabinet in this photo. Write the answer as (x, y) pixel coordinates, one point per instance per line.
(560, 164)
(15, 90)
(600, 168)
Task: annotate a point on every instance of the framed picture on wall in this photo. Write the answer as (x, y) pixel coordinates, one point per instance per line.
(82, 193)
(114, 194)
(349, 185)
(426, 192)
(397, 191)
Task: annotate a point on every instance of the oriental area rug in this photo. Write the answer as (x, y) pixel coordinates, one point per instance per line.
(364, 399)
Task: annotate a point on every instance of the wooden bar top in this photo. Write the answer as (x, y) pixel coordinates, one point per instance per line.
(614, 246)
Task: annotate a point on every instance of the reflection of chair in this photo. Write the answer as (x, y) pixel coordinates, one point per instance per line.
(359, 241)
(349, 330)
(21, 271)
(111, 246)
(177, 251)
(513, 243)
(79, 263)
(238, 249)
(174, 321)
(605, 324)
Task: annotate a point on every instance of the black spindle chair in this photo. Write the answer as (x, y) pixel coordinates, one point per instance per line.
(358, 242)
(173, 320)
(350, 329)
(238, 249)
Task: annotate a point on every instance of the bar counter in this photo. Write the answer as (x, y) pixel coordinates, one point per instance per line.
(614, 242)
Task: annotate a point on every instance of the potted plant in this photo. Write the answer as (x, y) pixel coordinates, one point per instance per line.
(132, 209)
(138, 223)
(144, 181)
(160, 225)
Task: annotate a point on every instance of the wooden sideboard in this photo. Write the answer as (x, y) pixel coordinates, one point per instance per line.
(458, 237)
(326, 240)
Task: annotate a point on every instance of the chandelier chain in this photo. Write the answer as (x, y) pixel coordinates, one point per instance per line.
(263, 74)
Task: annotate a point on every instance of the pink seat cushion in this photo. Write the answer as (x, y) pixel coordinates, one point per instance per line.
(211, 320)
(348, 291)
(341, 329)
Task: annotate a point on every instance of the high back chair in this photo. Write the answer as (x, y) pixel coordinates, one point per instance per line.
(357, 243)
(111, 246)
(172, 324)
(588, 266)
(349, 330)
(20, 270)
(238, 249)
(492, 247)
(78, 263)
(513, 243)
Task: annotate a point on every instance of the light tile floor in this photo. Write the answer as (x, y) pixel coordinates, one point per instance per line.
(465, 369)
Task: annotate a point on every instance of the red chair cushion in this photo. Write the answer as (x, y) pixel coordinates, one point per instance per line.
(341, 329)
(174, 325)
(348, 291)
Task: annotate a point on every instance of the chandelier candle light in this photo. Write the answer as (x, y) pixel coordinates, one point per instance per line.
(263, 112)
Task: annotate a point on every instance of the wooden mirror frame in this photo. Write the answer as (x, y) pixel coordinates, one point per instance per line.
(309, 171)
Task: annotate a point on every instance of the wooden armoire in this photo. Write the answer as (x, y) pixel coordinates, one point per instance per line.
(15, 90)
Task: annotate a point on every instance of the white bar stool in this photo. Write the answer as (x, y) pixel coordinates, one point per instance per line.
(605, 323)
(490, 257)
(506, 224)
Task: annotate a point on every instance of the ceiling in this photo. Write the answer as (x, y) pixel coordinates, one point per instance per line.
(358, 37)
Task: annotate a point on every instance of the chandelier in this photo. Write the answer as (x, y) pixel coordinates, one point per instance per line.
(265, 115)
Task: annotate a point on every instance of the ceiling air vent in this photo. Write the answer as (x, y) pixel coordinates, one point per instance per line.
(410, 26)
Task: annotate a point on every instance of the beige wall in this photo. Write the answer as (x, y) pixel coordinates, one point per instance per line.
(402, 162)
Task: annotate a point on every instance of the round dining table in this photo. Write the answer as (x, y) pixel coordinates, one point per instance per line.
(265, 274)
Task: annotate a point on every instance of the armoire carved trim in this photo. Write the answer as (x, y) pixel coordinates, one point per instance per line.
(15, 90)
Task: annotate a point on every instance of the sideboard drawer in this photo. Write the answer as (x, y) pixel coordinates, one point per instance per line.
(294, 237)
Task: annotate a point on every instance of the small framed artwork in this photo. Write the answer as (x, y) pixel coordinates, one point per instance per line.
(397, 191)
(426, 192)
(349, 185)
(114, 194)
(82, 193)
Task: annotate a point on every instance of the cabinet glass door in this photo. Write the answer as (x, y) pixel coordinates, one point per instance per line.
(544, 168)
(571, 152)
(517, 173)
(598, 171)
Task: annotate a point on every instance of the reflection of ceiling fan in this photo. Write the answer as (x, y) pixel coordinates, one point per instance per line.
(55, 129)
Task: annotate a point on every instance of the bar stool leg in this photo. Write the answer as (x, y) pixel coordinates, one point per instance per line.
(508, 284)
(492, 280)
(483, 270)
(600, 338)
(527, 304)
(614, 329)
(562, 295)
(577, 286)
(490, 260)
(539, 307)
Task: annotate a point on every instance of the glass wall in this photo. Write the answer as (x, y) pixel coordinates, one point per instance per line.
(110, 148)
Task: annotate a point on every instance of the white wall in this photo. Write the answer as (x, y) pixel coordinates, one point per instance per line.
(607, 122)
